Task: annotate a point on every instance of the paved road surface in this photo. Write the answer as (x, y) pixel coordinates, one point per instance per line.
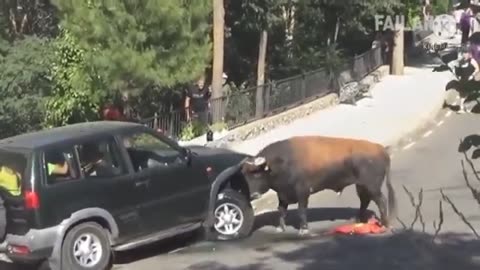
(433, 163)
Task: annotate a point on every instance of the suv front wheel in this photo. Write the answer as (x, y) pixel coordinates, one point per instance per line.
(86, 246)
(234, 217)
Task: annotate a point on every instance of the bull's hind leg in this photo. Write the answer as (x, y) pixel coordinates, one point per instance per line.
(282, 211)
(381, 201)
(302, 212)
(365, 199)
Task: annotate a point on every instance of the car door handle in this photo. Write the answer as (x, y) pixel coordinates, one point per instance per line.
(142, 183)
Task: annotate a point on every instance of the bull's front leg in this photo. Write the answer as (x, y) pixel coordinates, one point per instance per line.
(282, 211)
(302, 212)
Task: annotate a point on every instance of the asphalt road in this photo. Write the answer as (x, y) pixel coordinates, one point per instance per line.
(432, 164)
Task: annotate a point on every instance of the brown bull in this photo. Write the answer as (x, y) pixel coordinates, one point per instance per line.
(300, 166)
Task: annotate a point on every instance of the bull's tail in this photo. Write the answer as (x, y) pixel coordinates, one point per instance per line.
(392, 201)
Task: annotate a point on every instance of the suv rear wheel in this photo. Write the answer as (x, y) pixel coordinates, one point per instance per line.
(86, 246)
(3, 220)
(234, 216)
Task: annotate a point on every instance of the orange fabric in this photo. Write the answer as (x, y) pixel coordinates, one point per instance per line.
(371, 227)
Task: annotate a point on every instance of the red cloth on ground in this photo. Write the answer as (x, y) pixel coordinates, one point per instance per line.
(373, 226)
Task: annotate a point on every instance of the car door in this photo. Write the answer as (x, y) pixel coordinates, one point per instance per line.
(178, 188)
(78, 190)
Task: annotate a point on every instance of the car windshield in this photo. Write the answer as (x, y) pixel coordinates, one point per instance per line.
(12, 171)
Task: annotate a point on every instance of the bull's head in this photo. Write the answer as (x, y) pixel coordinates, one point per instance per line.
(256, 171)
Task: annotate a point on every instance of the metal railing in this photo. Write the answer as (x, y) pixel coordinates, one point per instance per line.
(247, 105)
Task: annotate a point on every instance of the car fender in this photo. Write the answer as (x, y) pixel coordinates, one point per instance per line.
(215, 187)
(84, 214)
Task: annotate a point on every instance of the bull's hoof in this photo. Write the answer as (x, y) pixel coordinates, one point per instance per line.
(280, 230)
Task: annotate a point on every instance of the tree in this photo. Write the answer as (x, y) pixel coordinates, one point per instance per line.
(28, 18)
(398, 51)
(26, 29)
(218, 40)
(24, 83)
(76, 94)
(412, 9)
(258, 16)
(136, 44)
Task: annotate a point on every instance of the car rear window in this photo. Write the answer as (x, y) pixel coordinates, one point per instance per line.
(12, 171)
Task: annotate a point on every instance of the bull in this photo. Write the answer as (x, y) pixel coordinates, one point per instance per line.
(300, 166)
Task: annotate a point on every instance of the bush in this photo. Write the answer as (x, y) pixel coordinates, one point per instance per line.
(24, 84)
(192, 130)
(75, 97)
(240, 105)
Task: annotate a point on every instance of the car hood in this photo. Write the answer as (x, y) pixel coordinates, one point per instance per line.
(218, 159)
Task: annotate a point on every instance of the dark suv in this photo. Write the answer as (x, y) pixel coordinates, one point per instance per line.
(70, 196)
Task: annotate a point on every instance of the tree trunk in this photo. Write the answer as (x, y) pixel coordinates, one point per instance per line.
(289, 19)
(217, 70)
(262, 55)
(398, 51)
(337, 29)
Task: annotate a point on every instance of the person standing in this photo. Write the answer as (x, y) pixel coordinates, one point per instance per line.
(197, 102)
(226, 92)
(426, 11)
(465, 24)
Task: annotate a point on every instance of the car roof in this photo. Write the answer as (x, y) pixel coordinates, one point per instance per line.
(47, 137)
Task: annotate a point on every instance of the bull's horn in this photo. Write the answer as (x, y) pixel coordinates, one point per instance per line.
(259, 161)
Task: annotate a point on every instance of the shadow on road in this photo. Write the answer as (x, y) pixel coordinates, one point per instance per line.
(402, 250)
(313, 214)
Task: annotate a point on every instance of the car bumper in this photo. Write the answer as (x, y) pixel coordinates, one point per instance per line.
(34, 246)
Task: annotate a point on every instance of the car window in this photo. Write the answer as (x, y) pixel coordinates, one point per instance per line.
(101, 159)
(60, 165)
(148, 151)
(12, 171)
(144, 140)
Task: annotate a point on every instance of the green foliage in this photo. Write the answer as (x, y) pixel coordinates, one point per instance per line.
(441, 6)
(36, 18)
(241, 105)
(75, 97)
(136, 44)
(24, 83)
(218, 126)
(413, 12)
(192, 130)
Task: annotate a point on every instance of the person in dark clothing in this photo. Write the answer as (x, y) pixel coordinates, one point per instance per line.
(465, 24)
(197, 104)
(468, 71)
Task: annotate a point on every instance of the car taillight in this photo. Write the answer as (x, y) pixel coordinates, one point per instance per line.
(20, 250)
(31, 200)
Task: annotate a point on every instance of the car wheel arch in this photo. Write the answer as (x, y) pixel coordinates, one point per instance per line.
(98, 215)
(228, 178)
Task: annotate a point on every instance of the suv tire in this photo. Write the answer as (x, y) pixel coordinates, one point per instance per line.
(3, 220)
(79, 236)
(240, 217)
